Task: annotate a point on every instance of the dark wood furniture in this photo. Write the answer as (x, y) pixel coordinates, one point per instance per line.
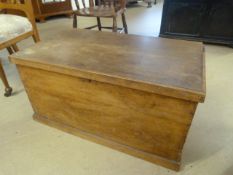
(132, 93)
(10, 44)
(201, 20)
(46, 8)
(103, 9)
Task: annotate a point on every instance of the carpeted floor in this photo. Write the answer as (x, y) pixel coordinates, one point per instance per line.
(30, 148)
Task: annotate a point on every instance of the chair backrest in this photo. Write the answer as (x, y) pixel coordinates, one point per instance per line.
(110, 3)
(23, 6)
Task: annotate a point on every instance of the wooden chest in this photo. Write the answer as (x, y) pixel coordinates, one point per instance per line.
(132, 93)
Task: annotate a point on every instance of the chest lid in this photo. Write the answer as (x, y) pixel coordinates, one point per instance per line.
(168, 67)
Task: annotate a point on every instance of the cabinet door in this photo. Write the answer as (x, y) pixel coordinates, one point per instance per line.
(219, 23)
(182, 18)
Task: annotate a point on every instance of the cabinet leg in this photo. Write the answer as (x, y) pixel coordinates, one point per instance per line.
(42, 20)
(69, 15)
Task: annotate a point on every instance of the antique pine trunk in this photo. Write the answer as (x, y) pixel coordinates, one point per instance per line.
(132, 93)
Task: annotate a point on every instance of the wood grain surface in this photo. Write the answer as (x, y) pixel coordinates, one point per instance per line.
(127, 97)
(164, 66)
(149, 123)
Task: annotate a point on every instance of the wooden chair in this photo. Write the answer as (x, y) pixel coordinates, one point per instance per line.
(102, 9)
(15, 28)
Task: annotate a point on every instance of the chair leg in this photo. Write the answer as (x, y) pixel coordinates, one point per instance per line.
(124, 23)
(10, 50)
(75, 22)
(15, 47)
(99, 23)
(8, 89)
(114, 27)
(36, 37)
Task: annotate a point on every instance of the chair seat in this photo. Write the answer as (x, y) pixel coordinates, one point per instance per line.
(97, 11)
(12, 26)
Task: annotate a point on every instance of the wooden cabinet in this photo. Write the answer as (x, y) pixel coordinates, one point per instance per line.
(219, 22)
(45, 8)
(205, 20)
